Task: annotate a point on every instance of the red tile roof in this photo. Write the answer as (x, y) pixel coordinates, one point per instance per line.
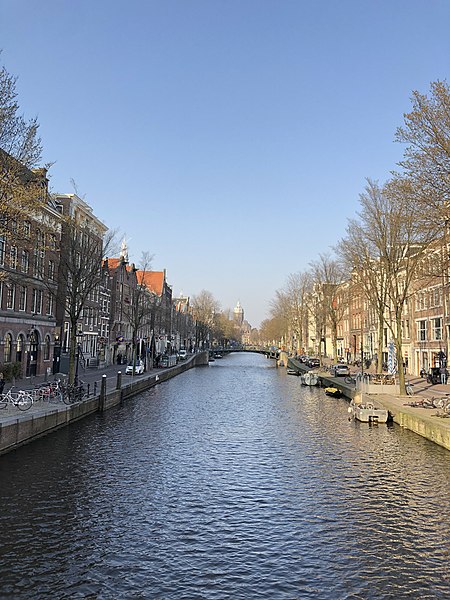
(114, 263)
(154, 280)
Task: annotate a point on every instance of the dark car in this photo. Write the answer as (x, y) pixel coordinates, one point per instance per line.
(313, 362)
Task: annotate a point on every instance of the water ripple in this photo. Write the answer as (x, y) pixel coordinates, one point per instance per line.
(226, 482)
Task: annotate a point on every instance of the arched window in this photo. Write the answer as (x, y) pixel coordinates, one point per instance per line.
(19, 348)
(8, 348)
(47, 348)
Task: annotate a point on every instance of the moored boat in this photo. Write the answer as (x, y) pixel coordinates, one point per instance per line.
(333, 391)
(310, 378)
(366, 412)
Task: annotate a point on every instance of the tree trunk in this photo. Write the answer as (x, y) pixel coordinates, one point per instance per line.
(380, 343)
(72, 351)
(399, 354)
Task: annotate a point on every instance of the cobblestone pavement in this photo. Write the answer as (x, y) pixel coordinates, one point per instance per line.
(91, 378)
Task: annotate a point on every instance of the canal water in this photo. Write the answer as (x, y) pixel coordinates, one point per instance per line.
(228, 482)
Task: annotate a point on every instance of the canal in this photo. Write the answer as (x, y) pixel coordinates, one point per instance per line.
(227, 482)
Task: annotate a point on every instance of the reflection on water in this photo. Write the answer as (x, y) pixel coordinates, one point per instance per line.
(230, 481)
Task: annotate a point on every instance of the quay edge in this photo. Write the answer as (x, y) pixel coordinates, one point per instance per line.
(421, 421)
(24, 428)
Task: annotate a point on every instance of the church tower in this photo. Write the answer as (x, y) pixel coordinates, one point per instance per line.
(238, 314)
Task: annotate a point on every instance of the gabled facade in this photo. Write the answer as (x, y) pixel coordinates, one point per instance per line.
(29, 264)
(123, 281)
(88, 325)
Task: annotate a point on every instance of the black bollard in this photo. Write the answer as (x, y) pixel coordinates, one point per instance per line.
(103, 393)
(119, 380)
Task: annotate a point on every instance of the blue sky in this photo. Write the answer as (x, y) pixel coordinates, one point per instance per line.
(231, 139)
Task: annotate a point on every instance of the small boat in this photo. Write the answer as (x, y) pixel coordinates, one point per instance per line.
(293, 372)
(310, 378)
(332, 391)
(366, 412)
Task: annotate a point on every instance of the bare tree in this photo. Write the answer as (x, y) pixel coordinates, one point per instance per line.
(426, 161)
(328, 278)
(21, 190)
(273, 330)
(397, 234)
(292, 301)
(204, 307)
(82, 250)
(361, 257)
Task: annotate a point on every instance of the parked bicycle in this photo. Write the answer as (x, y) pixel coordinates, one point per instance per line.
(50, 391)
(21, 399)
(353, 379)
(409, 388)
(71, 393)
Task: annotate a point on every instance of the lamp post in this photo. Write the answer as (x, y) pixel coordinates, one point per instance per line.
(79, 339)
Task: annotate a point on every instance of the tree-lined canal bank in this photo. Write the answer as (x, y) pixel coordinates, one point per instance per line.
(232, 481)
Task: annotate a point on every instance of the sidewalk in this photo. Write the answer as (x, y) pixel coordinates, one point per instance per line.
(87, 376)
(422, 388)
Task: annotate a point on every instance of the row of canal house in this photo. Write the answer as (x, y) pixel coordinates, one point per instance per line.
(35, 329)
(425, 324)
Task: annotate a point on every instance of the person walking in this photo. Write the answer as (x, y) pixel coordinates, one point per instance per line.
(442, 371)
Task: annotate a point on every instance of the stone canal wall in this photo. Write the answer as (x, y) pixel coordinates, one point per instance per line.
(422, 421)
(25, 427)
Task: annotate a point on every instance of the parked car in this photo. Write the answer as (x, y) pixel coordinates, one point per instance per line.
(138, 368)
(340, 370)
(313, 362)
(182, 354)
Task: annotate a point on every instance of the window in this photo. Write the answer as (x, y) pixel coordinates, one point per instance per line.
(51, 270)
(27, 229)
(8, 348)
(422, 331)
(10, 294)
(437, 328)
(36, 303)
(50, 304)
(2, 250)
(13, 257)
(25, 261)
(39, 251)
(22, 298)
(52, 241)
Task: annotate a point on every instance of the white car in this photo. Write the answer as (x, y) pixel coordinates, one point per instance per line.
(182, 354)
(138, 368)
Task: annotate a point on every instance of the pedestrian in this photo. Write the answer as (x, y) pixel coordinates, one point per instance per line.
(442, 371)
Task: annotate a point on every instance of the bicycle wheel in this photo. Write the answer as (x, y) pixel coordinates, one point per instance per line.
(24, 402)
(58, 396)
(67, 397)
(409, 390)
(3, 401)
(349, 380)
(438, 402)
